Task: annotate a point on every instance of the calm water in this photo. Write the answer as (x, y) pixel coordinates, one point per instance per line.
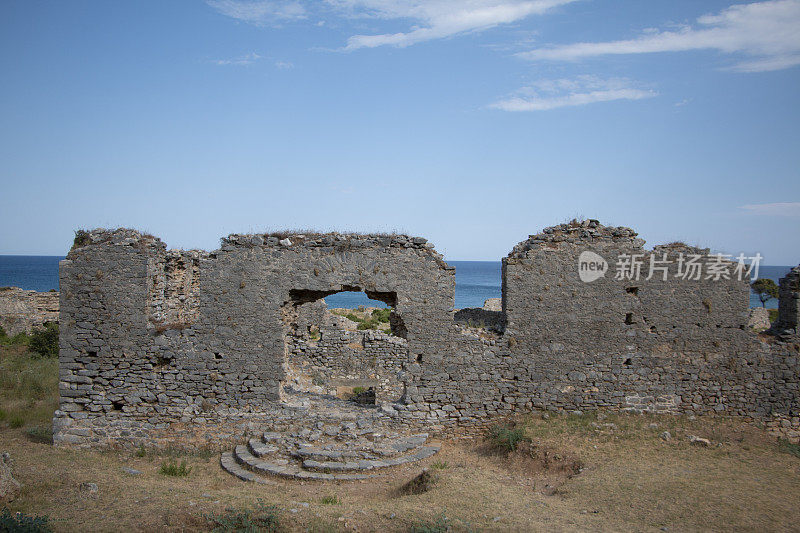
(475, 280)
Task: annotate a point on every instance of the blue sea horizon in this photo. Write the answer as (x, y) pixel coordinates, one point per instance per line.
(476, 281)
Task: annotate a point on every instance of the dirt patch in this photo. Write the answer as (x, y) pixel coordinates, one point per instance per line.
(420, 484)
(534, 459)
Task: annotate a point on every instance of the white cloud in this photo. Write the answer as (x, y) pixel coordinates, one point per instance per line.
(241, 61)
(551, 94)
(436, 19)
(768, 32)
(429, 19)
(284, 65)
(259, 12)
(787, 209)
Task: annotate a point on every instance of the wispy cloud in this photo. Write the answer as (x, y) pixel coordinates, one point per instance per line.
(551, 94)
(242, 61)
(786, 209)
(767, 32)
(429, 19)
(259, 12)
(284, 65)
(436, 19)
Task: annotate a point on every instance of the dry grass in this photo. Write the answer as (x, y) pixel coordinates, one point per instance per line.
(632, 480)
(28, 387)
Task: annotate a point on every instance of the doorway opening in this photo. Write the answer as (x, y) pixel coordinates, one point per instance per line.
(353, 353)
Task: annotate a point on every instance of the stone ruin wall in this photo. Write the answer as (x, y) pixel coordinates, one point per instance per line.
(789, 304)
(21, 311)
(143, 358)
(177, 347)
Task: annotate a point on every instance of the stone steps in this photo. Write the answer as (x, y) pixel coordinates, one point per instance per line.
(338, 457)
(365, 464)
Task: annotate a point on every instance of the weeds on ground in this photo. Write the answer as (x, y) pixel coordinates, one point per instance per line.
(262, 518)
(42, 341)
(378, 319)
(440, 525)
(440, 465)
(506, 438)
(318, 525)
(172, 468)
(28, 386)
(331, 499)
(22, 523)
(40, 434)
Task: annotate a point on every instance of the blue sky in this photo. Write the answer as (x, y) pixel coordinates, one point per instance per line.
(473, 123)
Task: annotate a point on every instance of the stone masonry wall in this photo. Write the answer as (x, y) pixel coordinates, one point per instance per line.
(141, 354)
(21, 310)
(166, 347)
(789, 303)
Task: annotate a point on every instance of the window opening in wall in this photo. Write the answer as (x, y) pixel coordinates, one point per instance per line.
(353, 352)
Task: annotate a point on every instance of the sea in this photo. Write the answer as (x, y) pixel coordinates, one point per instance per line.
(476, 281)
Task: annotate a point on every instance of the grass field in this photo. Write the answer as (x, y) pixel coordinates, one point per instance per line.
(606, 472)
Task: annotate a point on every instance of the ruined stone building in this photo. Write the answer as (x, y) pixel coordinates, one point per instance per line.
(189, 347)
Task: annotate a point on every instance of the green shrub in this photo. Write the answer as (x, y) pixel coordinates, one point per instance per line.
(45, 341)
(172, 468)
(16, 421)
(506, 438)
(382, 315)
(773, 315)
(22, 523)
(40, 434)
(20, 339)
(263, 518)
(353, 317)
(367, 324)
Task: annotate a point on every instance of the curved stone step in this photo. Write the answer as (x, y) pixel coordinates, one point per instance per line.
(319, 454)
(348, 451)
(362, 465)
(260, 448)
(243, 457)
(229, 464)
(402, 445)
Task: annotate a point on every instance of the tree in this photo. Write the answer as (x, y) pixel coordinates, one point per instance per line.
(766, 290)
